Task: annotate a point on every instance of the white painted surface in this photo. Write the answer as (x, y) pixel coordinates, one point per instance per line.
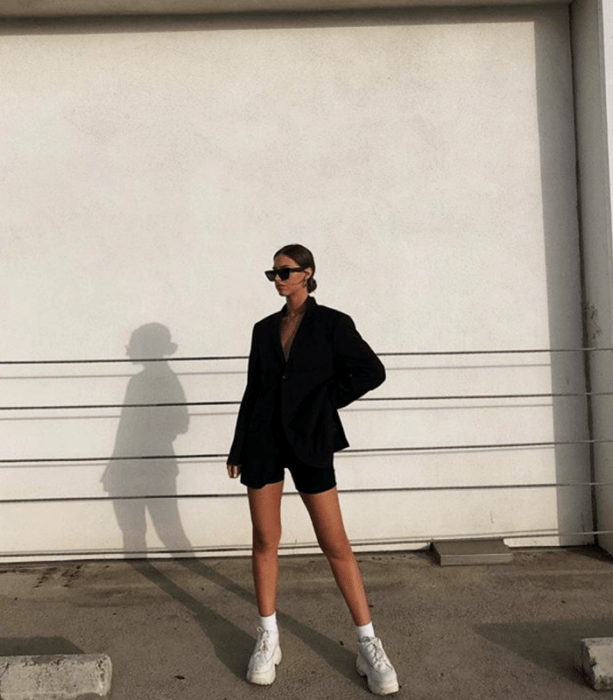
(427, 158)
(593, 50)
(605, 466)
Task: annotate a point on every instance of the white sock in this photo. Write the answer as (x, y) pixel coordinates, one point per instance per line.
(365, 631)
(269, 623)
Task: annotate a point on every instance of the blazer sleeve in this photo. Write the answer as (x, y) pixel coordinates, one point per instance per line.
(248, 400)
(356, 367)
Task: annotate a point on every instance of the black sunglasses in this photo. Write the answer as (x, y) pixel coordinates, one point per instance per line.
(283, 272)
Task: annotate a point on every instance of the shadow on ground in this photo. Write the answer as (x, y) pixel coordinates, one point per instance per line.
(232, 645)
(36, 646)
(552, 645)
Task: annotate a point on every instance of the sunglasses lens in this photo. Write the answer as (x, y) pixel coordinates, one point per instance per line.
(283, 273)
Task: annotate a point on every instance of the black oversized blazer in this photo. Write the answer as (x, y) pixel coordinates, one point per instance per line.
(329, 366)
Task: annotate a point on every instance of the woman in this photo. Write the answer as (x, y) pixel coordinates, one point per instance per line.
(306, 362)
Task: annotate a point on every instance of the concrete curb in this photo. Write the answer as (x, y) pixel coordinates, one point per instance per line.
(61, 677)
(472, 552)
(595, 661)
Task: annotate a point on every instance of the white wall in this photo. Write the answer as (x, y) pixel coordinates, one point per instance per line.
(151, 169)
(593, 52)
(605, 468)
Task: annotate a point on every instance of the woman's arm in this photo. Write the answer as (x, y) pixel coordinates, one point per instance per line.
(356, 367)
(244, 413)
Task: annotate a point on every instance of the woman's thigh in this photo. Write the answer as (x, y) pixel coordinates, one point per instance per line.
(265, 509)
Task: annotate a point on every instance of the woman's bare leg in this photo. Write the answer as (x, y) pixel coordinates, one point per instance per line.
(265, 507)
(325, 513)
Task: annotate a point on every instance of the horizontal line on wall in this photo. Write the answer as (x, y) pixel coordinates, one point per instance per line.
(454, 397)
(393, 489)
(369, 450)
(216, 358)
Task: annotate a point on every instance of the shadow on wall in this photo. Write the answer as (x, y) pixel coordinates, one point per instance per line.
(144, 462)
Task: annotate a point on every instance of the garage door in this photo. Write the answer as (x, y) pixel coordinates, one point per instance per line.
(150, 169)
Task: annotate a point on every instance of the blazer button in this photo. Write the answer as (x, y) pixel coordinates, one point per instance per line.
(284, 376)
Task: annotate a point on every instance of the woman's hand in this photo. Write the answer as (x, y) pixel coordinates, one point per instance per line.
(234, 470)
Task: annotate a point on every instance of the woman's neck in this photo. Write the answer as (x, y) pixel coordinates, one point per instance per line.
(296, 302)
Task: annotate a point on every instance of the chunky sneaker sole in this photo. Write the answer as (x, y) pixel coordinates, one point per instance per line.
(265, 677)
(375, 687)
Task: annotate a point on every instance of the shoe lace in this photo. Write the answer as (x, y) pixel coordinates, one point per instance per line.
(375, 650)
(264, 641)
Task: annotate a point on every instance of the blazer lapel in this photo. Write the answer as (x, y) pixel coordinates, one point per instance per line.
(311, 305)
(276, 331)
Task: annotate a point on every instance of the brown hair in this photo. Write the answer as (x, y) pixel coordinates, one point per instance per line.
(303, 257)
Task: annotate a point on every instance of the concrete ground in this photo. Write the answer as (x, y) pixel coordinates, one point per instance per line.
(185, 629)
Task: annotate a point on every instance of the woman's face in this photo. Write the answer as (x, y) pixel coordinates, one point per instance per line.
(295, 282)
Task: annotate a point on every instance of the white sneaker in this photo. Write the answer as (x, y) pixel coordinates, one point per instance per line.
(373, 663)
(266, 655)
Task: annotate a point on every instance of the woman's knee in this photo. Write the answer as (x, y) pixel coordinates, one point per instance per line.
(266, 540)
(337, 549)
